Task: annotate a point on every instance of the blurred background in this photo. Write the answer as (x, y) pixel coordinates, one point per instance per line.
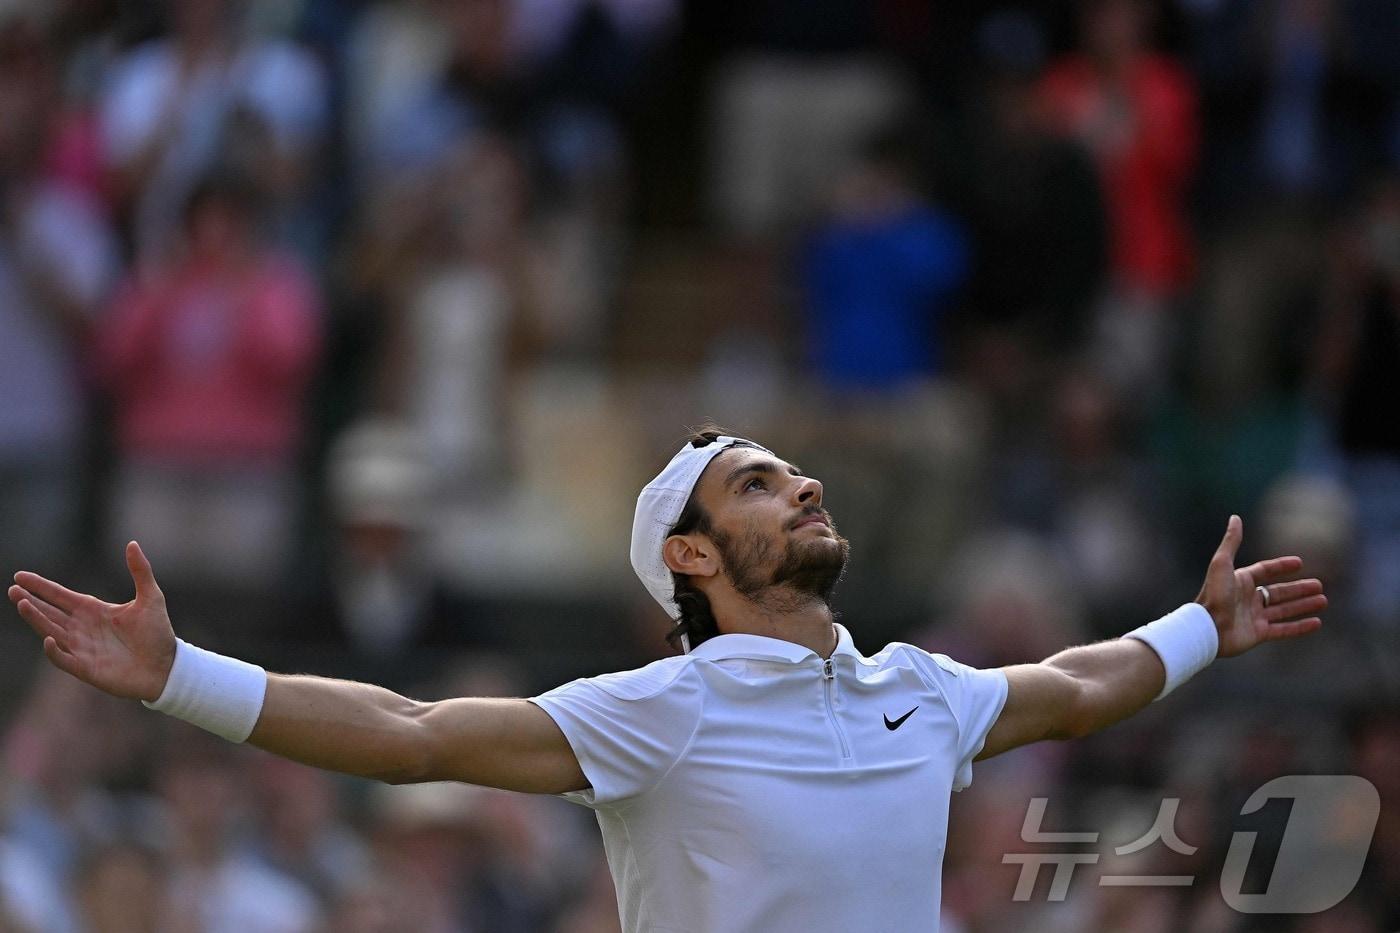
(370, 319)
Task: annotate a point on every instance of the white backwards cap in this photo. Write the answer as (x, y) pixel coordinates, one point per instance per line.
(659, 507)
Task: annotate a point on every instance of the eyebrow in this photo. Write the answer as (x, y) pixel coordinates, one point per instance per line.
(761, 467)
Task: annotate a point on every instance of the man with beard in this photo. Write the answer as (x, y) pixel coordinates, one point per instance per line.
(772, 778)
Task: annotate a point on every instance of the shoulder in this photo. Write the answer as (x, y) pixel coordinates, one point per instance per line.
(974, 696)
(935, 669)
(643, 683)
(628, 729)
(903, 654)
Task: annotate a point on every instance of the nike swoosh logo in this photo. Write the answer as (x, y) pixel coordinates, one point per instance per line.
(898, 722)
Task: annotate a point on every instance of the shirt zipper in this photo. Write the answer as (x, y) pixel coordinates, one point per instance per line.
(829, 684)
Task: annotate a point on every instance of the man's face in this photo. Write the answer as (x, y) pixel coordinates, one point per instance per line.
(768, 524)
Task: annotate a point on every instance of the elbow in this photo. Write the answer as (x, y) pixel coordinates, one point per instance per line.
(1074, 727)
(412, 760)
(1078, 718)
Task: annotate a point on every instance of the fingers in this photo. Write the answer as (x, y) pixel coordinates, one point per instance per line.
(1267, 571)
(51, 592)
(56, 615)
(61, 659)
(1297, 589)
(1280, 593)
(1307, 626)
(141, 572)
(44, 626)
(1277, 612)
(43, 621)
(1230, 544)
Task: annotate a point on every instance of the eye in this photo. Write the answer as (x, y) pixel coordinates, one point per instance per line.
(755, 483)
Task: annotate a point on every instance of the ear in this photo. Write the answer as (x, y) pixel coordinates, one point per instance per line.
(692, 554)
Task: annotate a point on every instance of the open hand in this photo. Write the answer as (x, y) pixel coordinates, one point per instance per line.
(1233, 599)
(126, 650)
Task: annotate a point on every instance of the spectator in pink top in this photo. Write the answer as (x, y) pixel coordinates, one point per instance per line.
(206, 360)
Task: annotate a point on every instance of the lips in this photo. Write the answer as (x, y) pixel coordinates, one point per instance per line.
(811, 520)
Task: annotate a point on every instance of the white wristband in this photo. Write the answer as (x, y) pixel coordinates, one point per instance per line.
(1186, 641)
(222, 695)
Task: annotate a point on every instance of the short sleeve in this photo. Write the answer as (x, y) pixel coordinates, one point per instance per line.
(627, 729)
(975, 697)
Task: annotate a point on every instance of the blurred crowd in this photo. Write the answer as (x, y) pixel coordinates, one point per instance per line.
(369, 318)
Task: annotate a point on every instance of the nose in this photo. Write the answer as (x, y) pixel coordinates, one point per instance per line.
(807, 491)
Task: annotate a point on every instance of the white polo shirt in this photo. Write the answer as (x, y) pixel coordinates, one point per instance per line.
(753, 786)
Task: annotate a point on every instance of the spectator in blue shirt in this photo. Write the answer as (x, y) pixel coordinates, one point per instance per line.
(878, 275)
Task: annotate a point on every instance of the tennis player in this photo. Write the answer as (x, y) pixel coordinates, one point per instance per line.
(772, 778)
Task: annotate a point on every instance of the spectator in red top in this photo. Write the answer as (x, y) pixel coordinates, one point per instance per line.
(1136, 113)
(206, 360)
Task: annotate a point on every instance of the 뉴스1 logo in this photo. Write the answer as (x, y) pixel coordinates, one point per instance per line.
(1330, 825)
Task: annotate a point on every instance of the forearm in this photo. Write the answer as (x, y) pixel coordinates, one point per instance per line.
(1116, 679)
(1082, 690)
(340, 725)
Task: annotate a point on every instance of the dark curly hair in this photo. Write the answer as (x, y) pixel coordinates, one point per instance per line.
(697, 622)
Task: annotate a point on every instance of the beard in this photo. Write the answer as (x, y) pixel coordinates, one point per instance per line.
(805, 569)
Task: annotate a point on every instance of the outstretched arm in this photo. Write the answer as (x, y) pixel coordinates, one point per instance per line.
(1088, 688)
(372, 732)
(128, 650)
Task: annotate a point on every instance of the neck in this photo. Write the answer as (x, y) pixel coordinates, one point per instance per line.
(802, 619)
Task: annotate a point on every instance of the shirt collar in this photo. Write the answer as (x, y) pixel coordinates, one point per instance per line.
(763, 648)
